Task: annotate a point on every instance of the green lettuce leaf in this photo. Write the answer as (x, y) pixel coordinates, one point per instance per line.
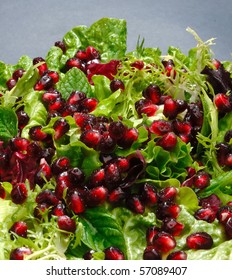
(8, 124)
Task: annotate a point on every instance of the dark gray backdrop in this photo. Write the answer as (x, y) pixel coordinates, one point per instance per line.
(31, 27)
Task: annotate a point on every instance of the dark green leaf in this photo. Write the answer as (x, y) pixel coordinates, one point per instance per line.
(8, 124)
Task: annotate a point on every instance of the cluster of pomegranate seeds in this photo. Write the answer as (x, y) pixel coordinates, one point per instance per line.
(17, 74)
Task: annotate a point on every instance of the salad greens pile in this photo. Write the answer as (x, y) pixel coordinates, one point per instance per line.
(193, 78)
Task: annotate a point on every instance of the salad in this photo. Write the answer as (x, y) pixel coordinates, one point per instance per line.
(108, 155)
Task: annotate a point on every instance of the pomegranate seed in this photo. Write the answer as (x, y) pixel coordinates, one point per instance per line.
(92, 53)
(112, 174)
(76, 202)
(117, 84)
(2, 192)
(18, 73)
(19, 144)
(44, 172)
(76, 176)
(91, 138)
(107, 144)
(47, 196)
(62, 183)
(80, 54)
(135, 204)
(42, 67)
(167, 194)
(199, 240)
(74, 63)
(19, 228)
(216, 63)
(224, 213)
(117, 130)
(172, 226)
(88, 255)
(160, 127)
(11, 83)
(205, 214)
(151, 233)
(61, 127)
(167, 209)
(153, 93)
(76, 97)
(170, 108)
(97, 196)
(60, 164)
(201, 180)
(149, 194)
(57, 105)
(54, 75)
(228, 227)
(113, 253)
(19, 193)
(116, 196)
(164, 242)
(123, 164)
(177, 255)
(20, 253)
(148, 109)
(89, 104)
(66, 223)
(61, 45)
(168, 141)
(41, 210)
(151, 253)
(59, 210)
(97, 177)
(37, 134)
(129, 137)
(212, 201)
(23, 119)
(181, 127)
(222, 102)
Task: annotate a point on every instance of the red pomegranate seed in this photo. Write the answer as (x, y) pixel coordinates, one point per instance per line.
(153, 93)
(167, 209)
(19, 193)
(151, 253)
(135, 204)
(201, 180)
(172, 226)
(56, 105)
(228, 227)
(151, 233)
(160, 127)
(167, 194)
(41, 211)
(222, 102)
(61, 127)
(18, 73)
(205, 214)
(117, 130)
(2, 192)
(123, 164)
(44, 83)
(164, 242)
(61, 45)
(170, 108)
(75, 202)
(74, 63)
(20, 253)
(97, 177)
(92, 53)
(113, 253)
(41, 65)
(59, 210)
(177, 255)
(20, 228)
(149, 194)
(47, 196)
(116, 196)
(168, 141)
(96, 196)
(117, 84)
(199, 240)
(36, 133)
(76, 97)
(112, 174)
(11, 83)
(129, 137)
(89, 104)
(60, 164)
(91, 138)
(224, 213)
(54, 75)
(212, 201)
(66, 223)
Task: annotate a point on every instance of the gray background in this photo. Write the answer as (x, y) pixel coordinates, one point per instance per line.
(31, 27)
